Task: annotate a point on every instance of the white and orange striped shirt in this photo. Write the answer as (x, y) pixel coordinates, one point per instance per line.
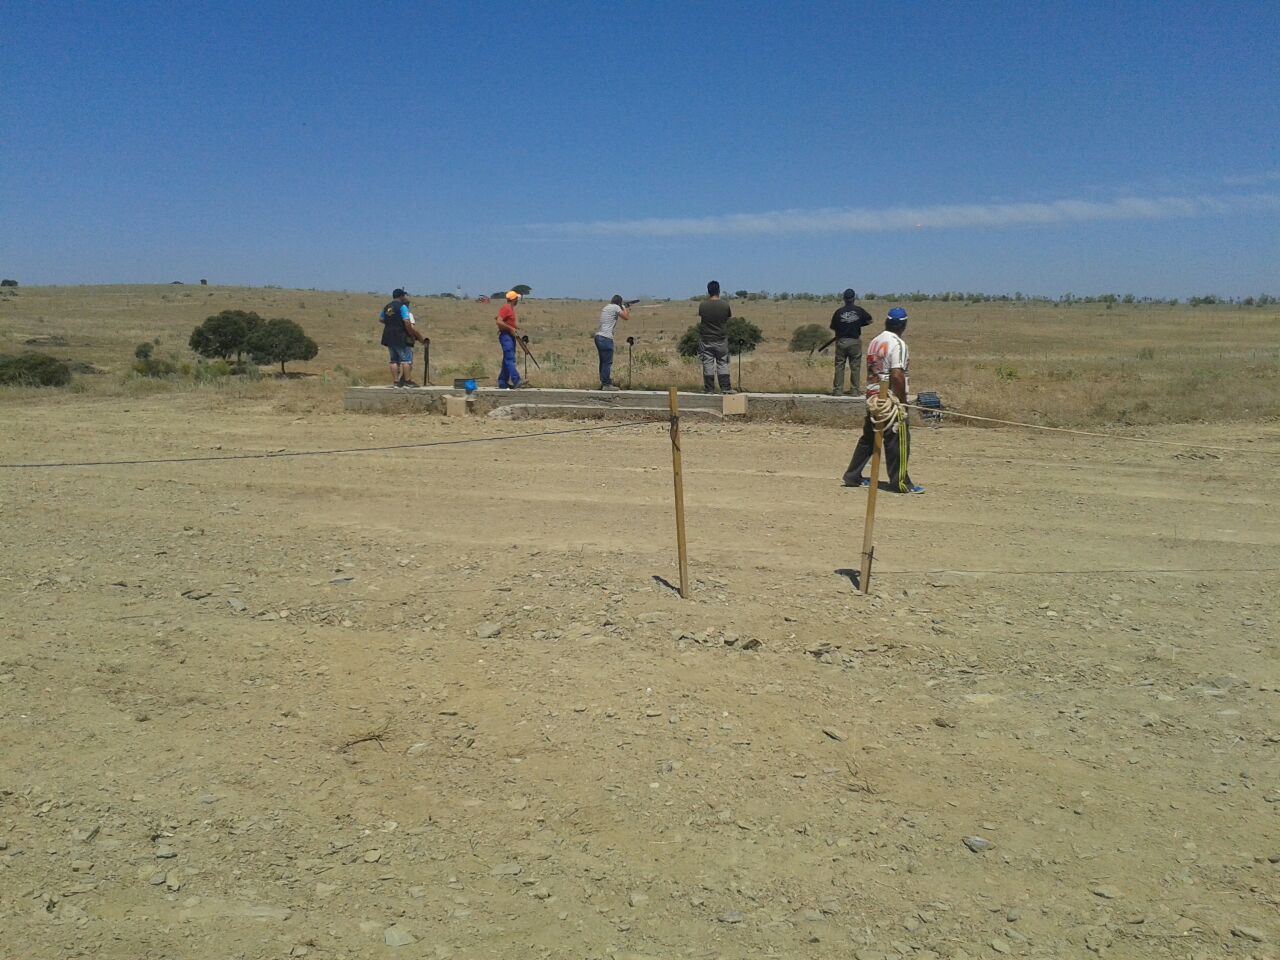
(886, 352)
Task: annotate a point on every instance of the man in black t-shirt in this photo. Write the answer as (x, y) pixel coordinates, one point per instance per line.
(713, 340)
(847, 323)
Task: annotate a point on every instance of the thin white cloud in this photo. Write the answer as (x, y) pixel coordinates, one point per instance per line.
(1252, 179)
(935, 217)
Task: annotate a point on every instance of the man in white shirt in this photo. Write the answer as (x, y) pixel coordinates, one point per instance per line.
(887, 360)
(614, 310)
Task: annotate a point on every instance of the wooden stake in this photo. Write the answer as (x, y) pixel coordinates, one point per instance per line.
(679, 483)
(868, 550)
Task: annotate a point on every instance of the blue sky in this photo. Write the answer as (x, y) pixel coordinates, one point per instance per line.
(588, 148)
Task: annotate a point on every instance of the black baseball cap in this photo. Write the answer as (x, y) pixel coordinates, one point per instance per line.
(397, 293)
(850, 294)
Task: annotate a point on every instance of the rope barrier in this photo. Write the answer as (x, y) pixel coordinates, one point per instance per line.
(1101, 571)
(1090, 433)
(883, 412)
(325, 453)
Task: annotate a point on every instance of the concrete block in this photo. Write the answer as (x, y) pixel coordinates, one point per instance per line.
(734, 405)
(456, 406)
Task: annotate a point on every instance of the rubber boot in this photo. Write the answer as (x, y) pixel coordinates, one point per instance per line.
(708, 383)
(726, 384)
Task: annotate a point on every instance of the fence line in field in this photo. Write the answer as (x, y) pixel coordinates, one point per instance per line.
(281, 454)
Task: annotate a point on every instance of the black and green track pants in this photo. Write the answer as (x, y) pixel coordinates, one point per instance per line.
(897, 450)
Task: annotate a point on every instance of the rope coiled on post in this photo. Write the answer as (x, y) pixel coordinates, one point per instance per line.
(884, 410)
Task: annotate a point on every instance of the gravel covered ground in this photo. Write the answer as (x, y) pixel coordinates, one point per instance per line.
(439, 703)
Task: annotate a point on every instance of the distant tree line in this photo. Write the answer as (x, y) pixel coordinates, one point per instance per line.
(958, 296)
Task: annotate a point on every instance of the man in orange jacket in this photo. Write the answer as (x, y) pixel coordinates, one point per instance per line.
(509, 377)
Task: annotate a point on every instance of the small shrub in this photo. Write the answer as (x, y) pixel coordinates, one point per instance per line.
(34, 370)
(744, 336)
(1147, 353)
(214, 370)
(1005, 373)
(154, 367)
(688, 345)
(143, 351)
(808, 337)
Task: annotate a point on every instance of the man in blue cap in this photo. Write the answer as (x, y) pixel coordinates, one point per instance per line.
(887, 360)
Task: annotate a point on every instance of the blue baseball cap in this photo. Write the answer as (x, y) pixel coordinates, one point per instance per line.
(897, 313)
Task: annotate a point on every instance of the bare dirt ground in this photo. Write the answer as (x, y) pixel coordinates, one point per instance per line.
(321, 707)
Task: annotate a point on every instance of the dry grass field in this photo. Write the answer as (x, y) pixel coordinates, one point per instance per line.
(438, 703)
(1062, 365)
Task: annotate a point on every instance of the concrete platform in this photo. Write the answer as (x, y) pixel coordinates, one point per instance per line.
(620, 405)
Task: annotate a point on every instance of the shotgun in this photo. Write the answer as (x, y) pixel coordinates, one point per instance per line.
(823, 348)
(524, 345)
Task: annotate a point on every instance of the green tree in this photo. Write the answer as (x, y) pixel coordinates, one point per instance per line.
(225, 334)
(279, 341)
(8, 283)
(808, 337)
(741, 294)
(523, 289)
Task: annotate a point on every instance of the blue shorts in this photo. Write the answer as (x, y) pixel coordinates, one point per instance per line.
(401, 354)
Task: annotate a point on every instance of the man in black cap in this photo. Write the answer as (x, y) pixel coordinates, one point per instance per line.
(398, 335)
(847, 323)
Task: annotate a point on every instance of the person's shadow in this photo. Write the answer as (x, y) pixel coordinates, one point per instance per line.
(854, 576)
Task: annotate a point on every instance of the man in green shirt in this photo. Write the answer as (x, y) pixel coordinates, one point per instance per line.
(713, 340)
